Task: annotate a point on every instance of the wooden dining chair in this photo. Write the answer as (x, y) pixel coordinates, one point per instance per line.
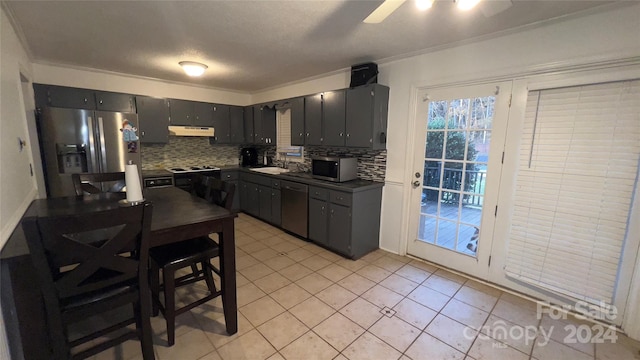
(88, 265)
(189, 253)
(86, 183)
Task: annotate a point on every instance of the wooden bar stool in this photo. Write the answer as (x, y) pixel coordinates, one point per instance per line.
(189, 253)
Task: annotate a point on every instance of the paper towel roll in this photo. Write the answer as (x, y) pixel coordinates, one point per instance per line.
(132, 181)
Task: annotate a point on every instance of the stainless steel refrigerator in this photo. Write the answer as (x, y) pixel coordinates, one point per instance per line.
(85, 141)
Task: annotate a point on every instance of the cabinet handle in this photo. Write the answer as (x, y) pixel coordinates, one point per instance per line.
(348, 135)
(321, 139)
(85, 100)
(371, 140)
(341, 134)
(307, 134)
(100, 101)
(322, 208)
(142, 133)
(301, 134)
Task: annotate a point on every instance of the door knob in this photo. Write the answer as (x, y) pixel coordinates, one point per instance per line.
(416, 183)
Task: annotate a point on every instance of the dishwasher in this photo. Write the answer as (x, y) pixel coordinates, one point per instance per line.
(294, 207)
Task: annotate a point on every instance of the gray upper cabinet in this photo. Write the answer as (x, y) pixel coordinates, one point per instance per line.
(181, 112)
(333, 118)
(264, 125)
(366, 119)
(247, 122)
(203, 113)
(109, 101)
(236, 124)
(297, 121)
(221, 124)
(153, 119)
(191, 113)
(258, 137)
(74, 98)
(269, 125)
(324, 118)
(65, 97)
(313, 119)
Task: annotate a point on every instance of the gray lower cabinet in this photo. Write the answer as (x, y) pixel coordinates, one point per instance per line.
(276, 206)
(261, 197)
(318, 223)
(340, 228)
(347, 223)
(153, 119)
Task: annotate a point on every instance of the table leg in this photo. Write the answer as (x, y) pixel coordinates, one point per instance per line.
(228, 267)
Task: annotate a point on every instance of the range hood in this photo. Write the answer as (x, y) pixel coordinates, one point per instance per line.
(191, 131)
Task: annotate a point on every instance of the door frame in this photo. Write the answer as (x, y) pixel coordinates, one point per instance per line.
(477, 265)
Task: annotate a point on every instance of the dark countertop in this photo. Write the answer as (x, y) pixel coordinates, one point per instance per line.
(306, 178)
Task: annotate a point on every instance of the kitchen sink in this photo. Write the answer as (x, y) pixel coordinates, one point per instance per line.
(273, 170)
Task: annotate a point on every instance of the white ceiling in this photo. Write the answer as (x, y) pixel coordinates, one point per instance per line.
(253, 45)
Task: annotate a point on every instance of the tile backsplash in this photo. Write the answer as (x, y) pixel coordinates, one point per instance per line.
(372, 164)
(193, 151)
(187, 151)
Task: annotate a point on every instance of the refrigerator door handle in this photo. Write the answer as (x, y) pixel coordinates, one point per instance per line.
(92, 147)
(103, 150)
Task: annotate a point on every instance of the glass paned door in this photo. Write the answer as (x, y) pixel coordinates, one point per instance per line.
(455, 172)
(455, 152)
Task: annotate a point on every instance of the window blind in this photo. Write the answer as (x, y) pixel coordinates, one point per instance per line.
(576, 177)
(283, 120)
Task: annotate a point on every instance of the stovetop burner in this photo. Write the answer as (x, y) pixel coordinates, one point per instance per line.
(193, 169)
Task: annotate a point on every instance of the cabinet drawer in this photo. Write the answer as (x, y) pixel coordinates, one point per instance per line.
(340, 198)
(229, 175)
(318, 193)
(275, 184)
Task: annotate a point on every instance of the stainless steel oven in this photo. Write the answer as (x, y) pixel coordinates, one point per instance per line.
(183, 177)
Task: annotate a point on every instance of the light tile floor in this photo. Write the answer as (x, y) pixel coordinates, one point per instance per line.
(298, 301)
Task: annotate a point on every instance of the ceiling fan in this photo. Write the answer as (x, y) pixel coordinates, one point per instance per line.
(488, 8)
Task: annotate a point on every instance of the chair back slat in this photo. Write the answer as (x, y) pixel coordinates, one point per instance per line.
(93, 244)
(213, 190)
(92, 183)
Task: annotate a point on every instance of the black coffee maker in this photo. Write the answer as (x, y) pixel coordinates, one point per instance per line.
(249, 156)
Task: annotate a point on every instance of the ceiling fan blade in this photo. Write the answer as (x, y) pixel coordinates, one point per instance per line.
(492, 7)
(385, 9)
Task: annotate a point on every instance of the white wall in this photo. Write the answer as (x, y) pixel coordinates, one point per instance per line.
(17, 186)
(588, 39)
(593, 38)
(109, 81)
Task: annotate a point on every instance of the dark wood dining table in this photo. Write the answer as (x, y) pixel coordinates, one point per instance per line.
(177, 216)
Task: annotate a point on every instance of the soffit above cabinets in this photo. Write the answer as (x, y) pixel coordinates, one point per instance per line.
(253, 45)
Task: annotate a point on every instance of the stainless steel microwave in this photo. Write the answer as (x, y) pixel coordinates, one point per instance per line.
(338, 169)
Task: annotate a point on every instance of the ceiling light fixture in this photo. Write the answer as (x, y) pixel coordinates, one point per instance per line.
(193, 68)
(424, 4)
(466, 4)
